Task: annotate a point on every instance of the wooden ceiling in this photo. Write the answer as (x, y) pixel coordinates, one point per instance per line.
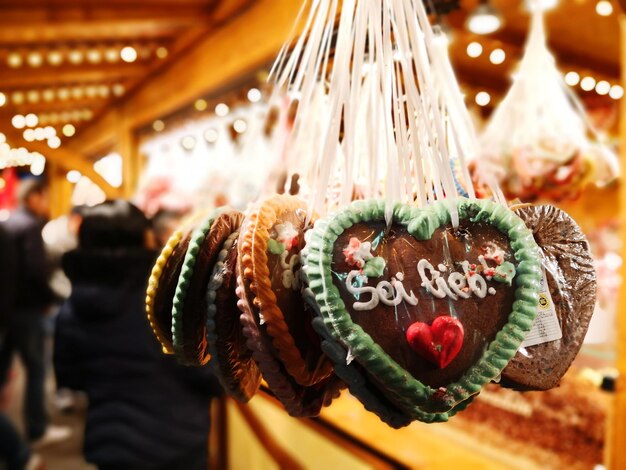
(64, 59)
(60, 59)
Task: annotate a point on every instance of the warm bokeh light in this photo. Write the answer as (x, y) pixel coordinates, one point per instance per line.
(158, 125)
(73, 176)
(588, 83)
(18, 121)
(572, 78)
(128, 54)
(604, 8)
(254, 95)
(200, 105)
(474, 49)
(497, 56)
(68, 130)
(617, 92)
(222, 110)
(483, 98)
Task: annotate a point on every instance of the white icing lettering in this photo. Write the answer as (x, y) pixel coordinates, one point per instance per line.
(389, 293)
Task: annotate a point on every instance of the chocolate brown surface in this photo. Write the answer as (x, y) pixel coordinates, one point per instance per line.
(572, 282)
(387, 325)
(296, 313)
(240, 374)
(195, 306)
(164, 296)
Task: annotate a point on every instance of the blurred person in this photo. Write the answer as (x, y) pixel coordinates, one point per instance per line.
(164, 223)
(30, 301)
(145, 411)
(61, 236)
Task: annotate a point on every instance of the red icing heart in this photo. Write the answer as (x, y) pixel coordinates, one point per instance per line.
(438, 343)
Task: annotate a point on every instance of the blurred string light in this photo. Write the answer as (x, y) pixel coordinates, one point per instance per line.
(161, 52)
(201, 105)
(17, 97)
(111, 54)
(603, 87)
(211, 135)
(483, 98)
(158, 125)
(604, 8)
(240, 126)
(474, 49)
(572, 78)
(68, 130)
(497, 56)
(18, 121)
(54, 142)
(254, 95)
(14, 60)
(617, 92)
(54, 58)
(588, 83)
(118, 89)
(34, 59)
(75, 56)
(222, 110)
(33, 96)
(31, 120)
(188, 142)
(73, 176)
(128, 54)
(12, 157)
(485, 19)
(94, 56)
(3, 99)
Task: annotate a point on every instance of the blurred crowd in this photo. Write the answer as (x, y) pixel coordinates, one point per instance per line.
(71, 311)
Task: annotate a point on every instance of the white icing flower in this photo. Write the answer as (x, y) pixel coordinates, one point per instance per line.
(287, 235)
(357, 252)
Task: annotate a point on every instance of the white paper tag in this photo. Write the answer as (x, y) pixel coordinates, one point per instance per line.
(547, 327)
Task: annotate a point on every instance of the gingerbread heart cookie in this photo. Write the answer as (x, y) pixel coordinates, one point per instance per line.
(374, 282)
(189, 309)
(231, 358)
(567, 302)
(276, 320)
(163, 282)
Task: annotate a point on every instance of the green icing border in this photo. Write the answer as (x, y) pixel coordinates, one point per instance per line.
(189, 263)
(421, 223)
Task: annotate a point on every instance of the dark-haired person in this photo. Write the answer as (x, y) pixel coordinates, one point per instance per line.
(24, 322)
(145, 411)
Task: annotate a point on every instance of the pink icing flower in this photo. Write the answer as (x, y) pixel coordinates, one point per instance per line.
(357, 252)
(287, 235)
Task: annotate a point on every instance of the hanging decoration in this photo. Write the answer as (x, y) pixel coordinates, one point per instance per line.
(539, 143)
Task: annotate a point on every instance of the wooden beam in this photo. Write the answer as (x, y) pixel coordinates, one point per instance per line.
(25, 77)
(239, 47)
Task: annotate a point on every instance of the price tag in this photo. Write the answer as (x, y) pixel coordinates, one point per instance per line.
(546, 327)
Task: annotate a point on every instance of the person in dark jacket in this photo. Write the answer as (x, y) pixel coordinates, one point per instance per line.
(32, 296)
(145, 411)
